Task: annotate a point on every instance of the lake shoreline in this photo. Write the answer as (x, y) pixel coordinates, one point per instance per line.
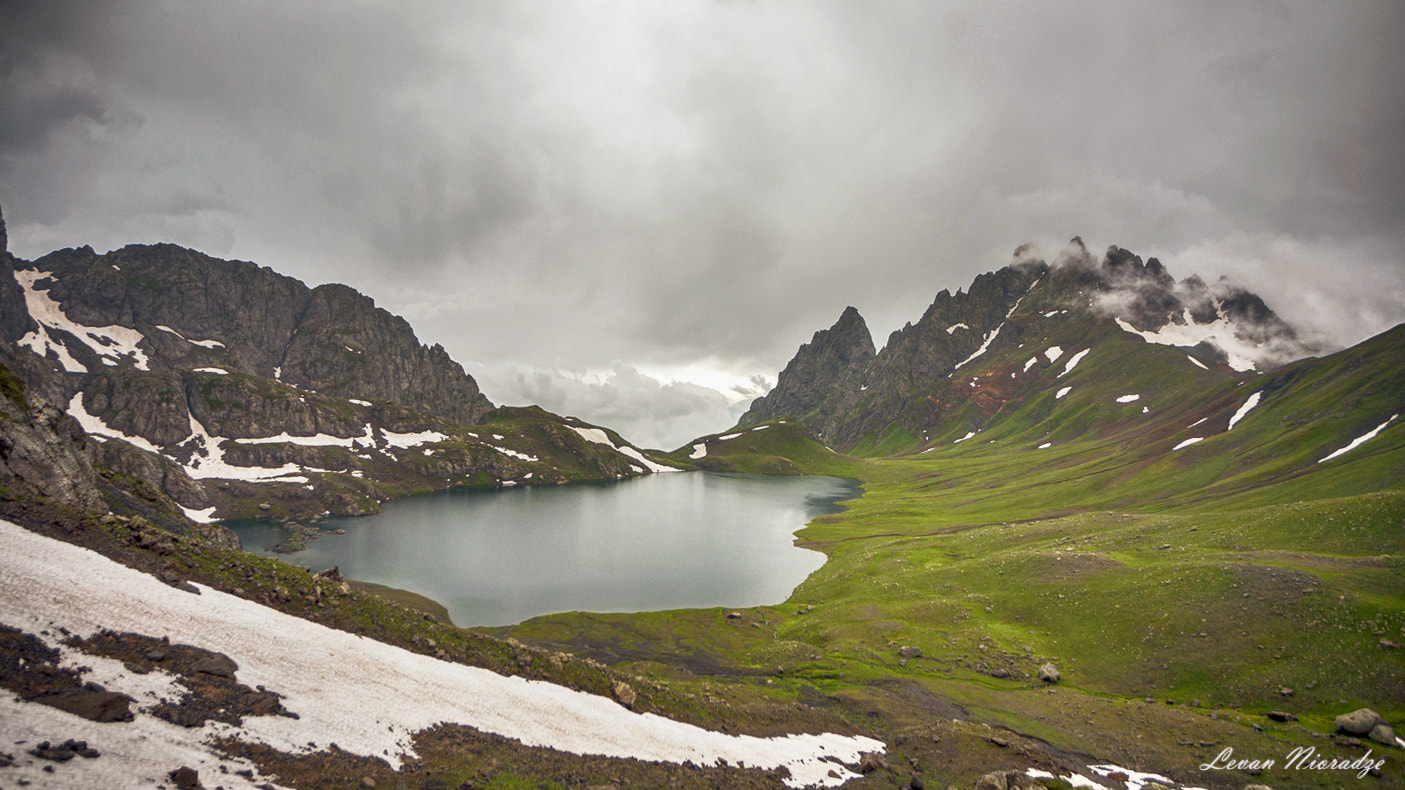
(497, 558)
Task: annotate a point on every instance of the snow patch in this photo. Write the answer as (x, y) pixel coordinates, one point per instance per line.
(1243, 410)
(1079, 780)
(699, 450)
(113, 342)
(594, 435)
(95, 426)
(216, 371)
(1188, 442)
(206, 516)
(359, 402)
(1136, 780)
(407, 440)
(212, 464)
(514, 454)
(652, 466)
(984, 345)
(725, 437)
(599, 437)
(1073, 362)
(318, 440)
(1030, 363)
(955, 327)
(964, 438)
(1062, 393)
(1046, 445)
(1129, 398)
(1053, 353)
(1362, 439)
(367, 697)
(40, 343)
(1220, 332)
(1196, 362)
(1197, 422)
(1016, 305)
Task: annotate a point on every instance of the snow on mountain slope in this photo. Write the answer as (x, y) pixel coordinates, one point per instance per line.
(1362, 439)
(598, 436)
(367, 697)
(110, 343)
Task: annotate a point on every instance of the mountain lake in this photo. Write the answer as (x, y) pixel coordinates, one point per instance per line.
(662, 541)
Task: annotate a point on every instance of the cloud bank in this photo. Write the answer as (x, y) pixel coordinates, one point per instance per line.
(559, 186)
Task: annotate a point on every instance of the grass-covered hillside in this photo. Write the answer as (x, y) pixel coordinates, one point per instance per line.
(1183, 590)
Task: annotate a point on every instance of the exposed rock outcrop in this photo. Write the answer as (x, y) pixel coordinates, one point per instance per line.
(827, 370)
(917, 386)
(192, 310)
(43, 454)
(216, 389)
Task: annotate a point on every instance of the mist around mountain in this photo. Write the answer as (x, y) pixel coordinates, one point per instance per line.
(975, 355)
(1113, 523)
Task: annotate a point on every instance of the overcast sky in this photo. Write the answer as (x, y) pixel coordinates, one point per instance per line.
(609, 208)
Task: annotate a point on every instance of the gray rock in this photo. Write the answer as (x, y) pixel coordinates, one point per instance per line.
(1049, 673)
(624, 694)
(1358, 722)
(1383, 734)
(93, 704)
(217, 664)
(186, 778)
(43, 454)
(872, 761)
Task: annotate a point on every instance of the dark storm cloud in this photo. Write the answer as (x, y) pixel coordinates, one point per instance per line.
(563, 185)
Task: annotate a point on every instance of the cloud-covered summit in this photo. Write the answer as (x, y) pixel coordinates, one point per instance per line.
(702, 183)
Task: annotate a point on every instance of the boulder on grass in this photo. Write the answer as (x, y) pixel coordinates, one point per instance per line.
(1359, 722)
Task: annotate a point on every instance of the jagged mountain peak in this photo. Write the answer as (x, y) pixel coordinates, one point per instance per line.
(225, 389)
(821, 370)
(179, 309)
(1000, 320)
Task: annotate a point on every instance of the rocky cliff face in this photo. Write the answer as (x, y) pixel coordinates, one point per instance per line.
(44, 457)
(223, 389)
(826, 369)
(918, 380)
(190, 310)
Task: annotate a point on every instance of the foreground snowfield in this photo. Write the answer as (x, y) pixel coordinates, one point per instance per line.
(367, 697)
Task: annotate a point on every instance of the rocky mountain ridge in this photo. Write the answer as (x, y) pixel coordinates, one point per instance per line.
(914, 385)
(186, 310)
(214, 389)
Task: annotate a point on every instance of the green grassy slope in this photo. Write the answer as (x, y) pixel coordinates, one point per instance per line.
(1237, 575)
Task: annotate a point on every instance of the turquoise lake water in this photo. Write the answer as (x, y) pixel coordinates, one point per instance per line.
(665, 541)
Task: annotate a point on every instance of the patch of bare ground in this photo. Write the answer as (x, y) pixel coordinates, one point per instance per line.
(451, 757)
